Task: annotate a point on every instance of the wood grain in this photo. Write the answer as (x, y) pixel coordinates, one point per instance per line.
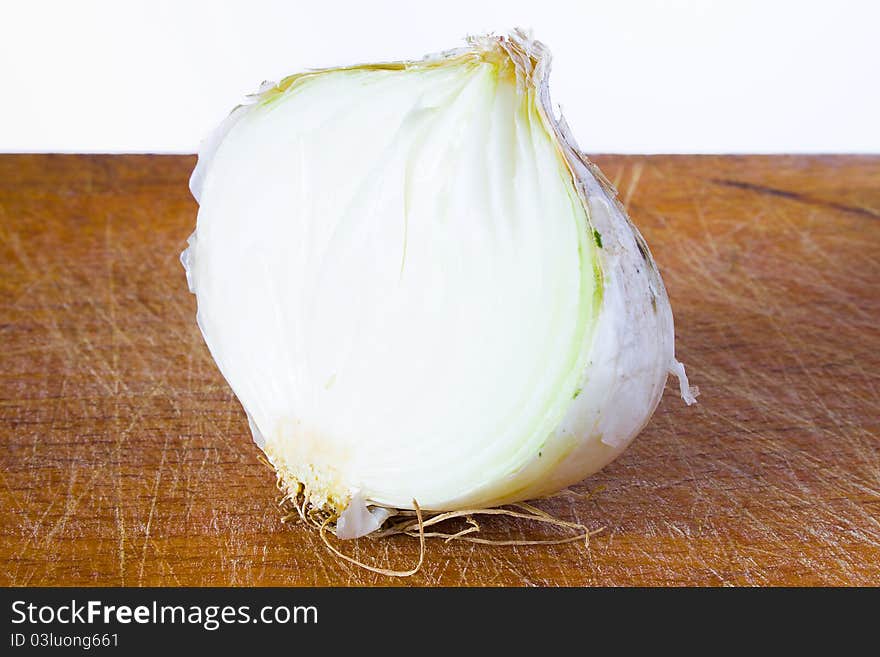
(127, 460)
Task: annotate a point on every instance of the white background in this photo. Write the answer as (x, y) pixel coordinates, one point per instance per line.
(650, 76)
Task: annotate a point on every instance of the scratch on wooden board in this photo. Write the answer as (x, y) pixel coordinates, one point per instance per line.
(618, 176)
(154, 496)
(797, 196)
(71, 504)
(19, 506)
(463, 568)
(636, 175)
(166, 563)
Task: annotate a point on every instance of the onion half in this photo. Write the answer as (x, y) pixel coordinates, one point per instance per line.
(420, 289)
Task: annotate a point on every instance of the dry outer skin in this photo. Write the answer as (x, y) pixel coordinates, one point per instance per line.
(127, 460)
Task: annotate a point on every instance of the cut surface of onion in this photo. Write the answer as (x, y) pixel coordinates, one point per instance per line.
(420, 289)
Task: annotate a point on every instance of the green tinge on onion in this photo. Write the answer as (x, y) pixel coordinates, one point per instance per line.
(420, 289)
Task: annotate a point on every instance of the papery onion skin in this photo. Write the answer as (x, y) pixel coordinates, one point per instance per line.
(626, 351)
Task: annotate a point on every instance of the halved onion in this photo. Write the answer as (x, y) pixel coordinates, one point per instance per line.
(420, 289)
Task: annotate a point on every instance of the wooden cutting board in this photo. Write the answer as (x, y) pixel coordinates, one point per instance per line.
(127, 460)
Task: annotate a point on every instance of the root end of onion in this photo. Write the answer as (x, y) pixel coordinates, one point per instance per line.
(414, 523)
